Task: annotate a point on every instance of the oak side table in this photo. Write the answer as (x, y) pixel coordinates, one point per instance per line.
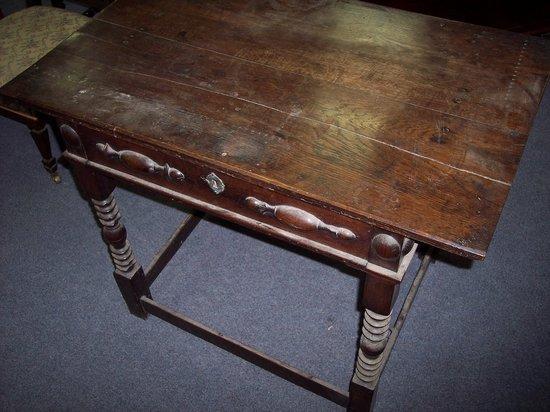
(355, 131)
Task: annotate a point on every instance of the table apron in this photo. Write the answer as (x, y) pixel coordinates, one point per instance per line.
(219, 192)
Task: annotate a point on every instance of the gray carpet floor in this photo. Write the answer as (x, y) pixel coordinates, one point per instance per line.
(477, 338)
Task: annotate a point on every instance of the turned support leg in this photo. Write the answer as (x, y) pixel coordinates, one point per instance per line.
(128, 273)
(378, 298)
(41, 138)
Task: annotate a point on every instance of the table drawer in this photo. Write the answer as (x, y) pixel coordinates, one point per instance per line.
(223, 189)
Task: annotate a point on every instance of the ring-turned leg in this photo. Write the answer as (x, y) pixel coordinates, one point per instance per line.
(41, 138)
(378, 298)
(128, 273)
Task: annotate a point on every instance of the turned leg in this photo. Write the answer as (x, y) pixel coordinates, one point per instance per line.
(39, 133)
(378, 298)
(128, 273)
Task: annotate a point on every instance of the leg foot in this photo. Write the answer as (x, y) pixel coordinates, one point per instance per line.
(42, 140)
(56, 178)
(361, 397)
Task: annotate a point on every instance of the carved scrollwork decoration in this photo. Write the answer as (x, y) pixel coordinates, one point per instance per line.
(298, 218)
(141, 163)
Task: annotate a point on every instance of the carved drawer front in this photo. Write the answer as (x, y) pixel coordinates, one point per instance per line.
(138, 162)
(222, 189)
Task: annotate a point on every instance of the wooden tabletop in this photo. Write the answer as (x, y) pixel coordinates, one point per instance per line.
(413, 123)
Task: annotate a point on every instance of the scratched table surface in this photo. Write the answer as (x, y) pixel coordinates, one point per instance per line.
(414, 123)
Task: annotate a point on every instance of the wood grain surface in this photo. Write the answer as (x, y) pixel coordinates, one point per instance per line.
(412, 123)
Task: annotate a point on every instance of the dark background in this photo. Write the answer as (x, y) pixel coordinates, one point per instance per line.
(528, 16)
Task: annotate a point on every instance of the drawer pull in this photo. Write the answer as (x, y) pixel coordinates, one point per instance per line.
(297, 218)
(214, 183)
(141, 163)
